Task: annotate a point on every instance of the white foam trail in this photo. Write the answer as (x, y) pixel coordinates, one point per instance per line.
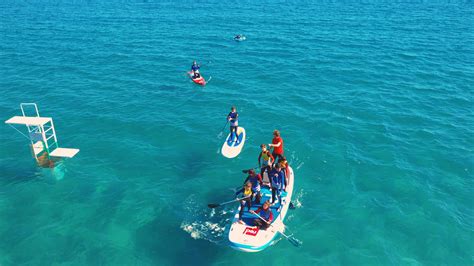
(298, 199)
(206, 230)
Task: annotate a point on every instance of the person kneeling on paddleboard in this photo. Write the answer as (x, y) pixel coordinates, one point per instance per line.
(247, 194)
(276, 180)
(265, 159)
(266, 214)
(233, 118)
(256, 181)
(195, 68)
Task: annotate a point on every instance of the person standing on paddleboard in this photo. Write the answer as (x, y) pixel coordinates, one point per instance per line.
(233, 118)
(265, 159)
(195, 69)
(284, 165)
(277, 144)
(277, 177)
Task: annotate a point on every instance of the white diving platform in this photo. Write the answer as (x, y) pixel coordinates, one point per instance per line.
(64, 152)
(41, 134)
(28, 120)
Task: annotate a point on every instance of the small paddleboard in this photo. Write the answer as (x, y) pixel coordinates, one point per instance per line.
(232, 148)
(246, 237)
(201, 81)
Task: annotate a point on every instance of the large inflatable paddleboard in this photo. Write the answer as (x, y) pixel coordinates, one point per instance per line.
(201, 81)
(248, 238)
(231, 147)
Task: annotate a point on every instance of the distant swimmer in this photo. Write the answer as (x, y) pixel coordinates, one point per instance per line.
(239, 37)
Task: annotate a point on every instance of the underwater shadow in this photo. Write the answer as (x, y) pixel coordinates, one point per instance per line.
(163, 242)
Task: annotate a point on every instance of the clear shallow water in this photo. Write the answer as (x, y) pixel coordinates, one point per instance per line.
(374, 102)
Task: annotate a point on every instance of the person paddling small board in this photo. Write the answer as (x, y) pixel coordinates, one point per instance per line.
(195, 75)
(236, 139)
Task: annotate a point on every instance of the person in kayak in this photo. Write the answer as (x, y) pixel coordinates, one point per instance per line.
(266, 214)
(277, 177)
(277, 144)
(246, 198)
(233, 118)
(195, 69)
(256, 181)
(265, 159)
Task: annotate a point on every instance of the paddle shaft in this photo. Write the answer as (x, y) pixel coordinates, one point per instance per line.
(280, 231)
(227, 122)
(227, 202)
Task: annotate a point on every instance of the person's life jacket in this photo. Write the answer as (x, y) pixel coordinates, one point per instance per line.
(247, 192)
(233, 119)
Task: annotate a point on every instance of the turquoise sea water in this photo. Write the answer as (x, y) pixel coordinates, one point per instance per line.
(374, 102)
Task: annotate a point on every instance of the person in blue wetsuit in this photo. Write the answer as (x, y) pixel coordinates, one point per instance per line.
(277, 177)
(233, 118)
(195, 68)
(266, 214)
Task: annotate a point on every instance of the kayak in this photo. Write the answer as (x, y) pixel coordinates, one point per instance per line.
(201, 81)
(248, 238)
(231, 147)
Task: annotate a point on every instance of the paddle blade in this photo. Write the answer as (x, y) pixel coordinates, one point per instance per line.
(246, 171)
(295, 241)
(213, 205)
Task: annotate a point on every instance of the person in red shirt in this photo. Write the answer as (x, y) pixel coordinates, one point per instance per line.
(277, 144)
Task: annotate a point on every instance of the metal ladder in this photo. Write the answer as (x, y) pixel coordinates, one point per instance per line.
(43, 138)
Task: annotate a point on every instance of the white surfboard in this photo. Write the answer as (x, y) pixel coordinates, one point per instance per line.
(232, 148)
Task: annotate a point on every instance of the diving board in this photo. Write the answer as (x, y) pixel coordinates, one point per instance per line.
(41, 133)
(28, 120)
(64, 152)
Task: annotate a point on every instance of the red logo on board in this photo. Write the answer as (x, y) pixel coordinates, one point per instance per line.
(251, 231)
